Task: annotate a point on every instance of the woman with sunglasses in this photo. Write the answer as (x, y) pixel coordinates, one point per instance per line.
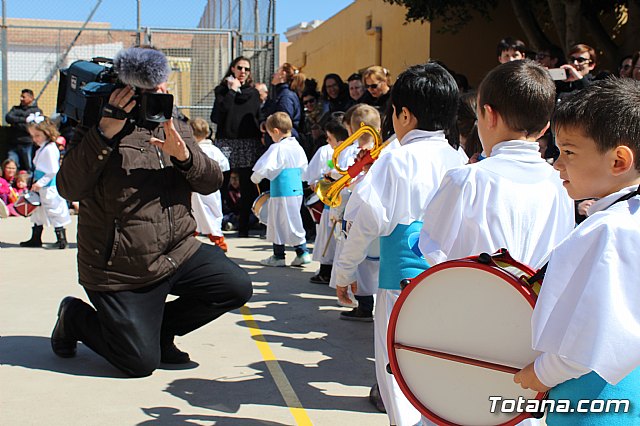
(236, 112)
(378, 83)
(581, 61)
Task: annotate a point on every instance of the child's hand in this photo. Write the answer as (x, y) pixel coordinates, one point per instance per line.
(528, 380)
(35, 187)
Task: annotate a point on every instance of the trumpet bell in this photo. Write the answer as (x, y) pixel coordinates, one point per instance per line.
(327, 194)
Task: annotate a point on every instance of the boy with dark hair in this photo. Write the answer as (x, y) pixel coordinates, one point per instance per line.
(586, 318)
(389, 204)
(510, 49)
(513, 198)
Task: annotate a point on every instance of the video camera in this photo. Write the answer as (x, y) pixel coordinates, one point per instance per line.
(85, 87)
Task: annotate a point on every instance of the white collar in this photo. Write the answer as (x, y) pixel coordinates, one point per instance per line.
(606, 202)
(417, 135)
(526, 151)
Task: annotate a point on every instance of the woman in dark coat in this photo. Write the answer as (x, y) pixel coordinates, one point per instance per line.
(236, 112)
(286, 100)
(336, 94)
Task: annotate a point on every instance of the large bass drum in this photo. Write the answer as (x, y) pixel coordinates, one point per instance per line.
(457, 335)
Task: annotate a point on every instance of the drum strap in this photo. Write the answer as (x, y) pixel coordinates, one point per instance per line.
(539, 276)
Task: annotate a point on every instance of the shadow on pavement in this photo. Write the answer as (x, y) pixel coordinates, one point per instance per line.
(34, 352)
(171, 416)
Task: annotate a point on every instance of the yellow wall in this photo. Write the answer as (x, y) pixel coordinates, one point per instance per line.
(342, 45)
(472, 51)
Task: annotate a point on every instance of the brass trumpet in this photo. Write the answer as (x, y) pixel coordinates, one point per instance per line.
(329, 191)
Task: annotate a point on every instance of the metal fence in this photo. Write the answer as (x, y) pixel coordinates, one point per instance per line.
(33, 52)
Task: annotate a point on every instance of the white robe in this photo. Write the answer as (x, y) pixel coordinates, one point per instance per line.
(587, 310)
(284, 225)
(207, 209)
(513, 199)
(53, 210)
(395, 191)
(319, 165)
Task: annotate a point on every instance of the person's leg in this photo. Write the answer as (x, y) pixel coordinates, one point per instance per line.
(248, 194)
(124, 328)
(301, 249)
(12, 154)
(208, 285)
(278, 251)
(26, 156)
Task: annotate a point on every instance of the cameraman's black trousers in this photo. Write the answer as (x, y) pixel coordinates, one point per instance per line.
(128, 327)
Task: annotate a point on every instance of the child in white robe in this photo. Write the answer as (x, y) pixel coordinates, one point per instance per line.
(390, 201)
(207, 209)
(283, 164)
(513, 199)
(586, 319)
(53, 210)
(319, 166)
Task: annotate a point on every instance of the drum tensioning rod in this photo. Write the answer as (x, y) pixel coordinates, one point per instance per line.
(458, 358)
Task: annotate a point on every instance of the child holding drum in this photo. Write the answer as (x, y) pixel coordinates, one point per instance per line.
(586, 318)
(283, 164)
(390, 202)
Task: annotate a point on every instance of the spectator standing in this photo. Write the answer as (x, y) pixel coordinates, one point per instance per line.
(286, 100)
(21, 145)
(336, 94)
(582, 60)
(510, 49)
(237, 113)
(378, 82)
(357, 92)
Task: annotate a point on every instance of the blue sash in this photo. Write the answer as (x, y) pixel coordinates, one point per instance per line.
(287, 184)
(591, 386)
(37, 175)
(400, 256)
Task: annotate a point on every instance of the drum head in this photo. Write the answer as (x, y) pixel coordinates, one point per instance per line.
(468, 311)
(260, 207)
(311, 200)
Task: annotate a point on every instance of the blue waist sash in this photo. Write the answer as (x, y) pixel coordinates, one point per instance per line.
(37, 175)
(287, 184)
(400, 256)
(593, 387)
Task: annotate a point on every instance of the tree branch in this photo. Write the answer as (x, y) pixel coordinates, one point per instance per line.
(522, 9)
(632, 28)
(600, 35)
(573, 18)
(558, 17)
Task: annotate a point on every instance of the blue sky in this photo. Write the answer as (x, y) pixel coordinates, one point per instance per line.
(163, 13)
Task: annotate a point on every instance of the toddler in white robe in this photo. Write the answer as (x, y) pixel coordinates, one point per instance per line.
(53, 210)
(207, 209)
(283, 164)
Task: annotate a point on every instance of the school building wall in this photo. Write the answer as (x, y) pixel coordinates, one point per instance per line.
(343, 45)
(365, 33)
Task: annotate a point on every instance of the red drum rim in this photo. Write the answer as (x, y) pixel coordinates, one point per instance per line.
(470, 262)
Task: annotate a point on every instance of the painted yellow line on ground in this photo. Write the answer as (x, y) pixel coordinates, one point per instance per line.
(285, 388)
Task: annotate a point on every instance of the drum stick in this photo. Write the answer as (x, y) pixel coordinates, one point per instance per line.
(458, 358)
(326, 245)
(258, 186)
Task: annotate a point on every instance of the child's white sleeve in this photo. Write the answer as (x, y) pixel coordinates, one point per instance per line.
(256, 178)
(553, 369)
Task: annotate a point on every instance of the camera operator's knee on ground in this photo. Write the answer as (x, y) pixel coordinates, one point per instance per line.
(142, 363)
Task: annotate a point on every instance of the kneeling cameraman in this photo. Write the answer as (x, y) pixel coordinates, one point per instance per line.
(136, 241)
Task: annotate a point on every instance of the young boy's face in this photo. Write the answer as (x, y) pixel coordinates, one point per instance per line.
(510, 55)
(583, 169)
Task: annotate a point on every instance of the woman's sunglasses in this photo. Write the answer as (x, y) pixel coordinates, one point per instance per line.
(240, 68)
(372, 86)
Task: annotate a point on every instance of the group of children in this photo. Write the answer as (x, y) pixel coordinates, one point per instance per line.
(585, 320)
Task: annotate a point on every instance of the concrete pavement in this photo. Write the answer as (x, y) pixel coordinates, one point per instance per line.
(285, 360)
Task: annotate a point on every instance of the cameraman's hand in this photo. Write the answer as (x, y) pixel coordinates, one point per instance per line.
(173, 144)
(120, 98)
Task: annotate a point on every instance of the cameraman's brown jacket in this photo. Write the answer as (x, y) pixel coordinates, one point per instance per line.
(135, 225)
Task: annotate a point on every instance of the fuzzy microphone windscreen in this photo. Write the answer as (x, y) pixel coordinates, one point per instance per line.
(141, 68)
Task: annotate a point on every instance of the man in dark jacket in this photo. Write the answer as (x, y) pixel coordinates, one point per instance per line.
(136, 241)
(20, 143)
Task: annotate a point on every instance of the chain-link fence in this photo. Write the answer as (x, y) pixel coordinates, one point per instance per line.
(35, 50)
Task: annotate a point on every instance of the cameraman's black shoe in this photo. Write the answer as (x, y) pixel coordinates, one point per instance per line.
(62, 344)
(170, 354)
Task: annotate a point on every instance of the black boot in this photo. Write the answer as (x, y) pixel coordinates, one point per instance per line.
(61, 236)
(36, 237)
